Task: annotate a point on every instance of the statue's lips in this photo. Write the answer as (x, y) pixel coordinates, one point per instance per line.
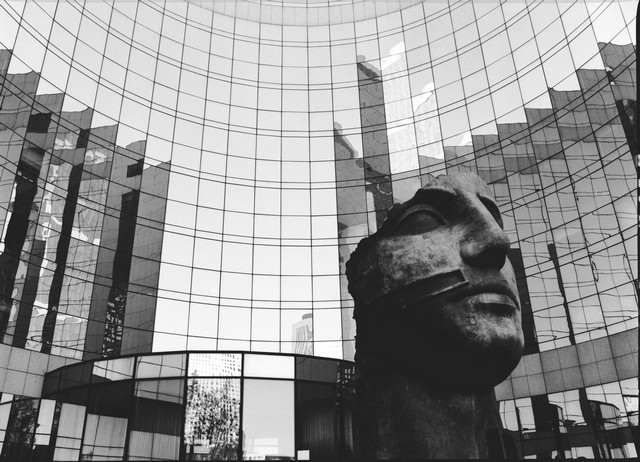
(492, 302)
(492, 298)
(490, 294)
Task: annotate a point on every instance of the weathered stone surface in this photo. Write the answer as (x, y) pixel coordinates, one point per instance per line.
(438, 323)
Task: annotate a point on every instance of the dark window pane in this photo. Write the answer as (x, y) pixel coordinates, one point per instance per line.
(20, 436)
(157, 420)
(83, 139)
(105, 428)
(135, 169)
(110, 399)
(31, 161)
(39, 123)
(316, 417)
(317, 370)
(50, 385)
(76, 375)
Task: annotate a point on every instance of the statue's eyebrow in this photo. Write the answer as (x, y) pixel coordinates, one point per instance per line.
(437, 196)
(438, 193)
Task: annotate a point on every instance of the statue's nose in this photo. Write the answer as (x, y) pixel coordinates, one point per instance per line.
(485, 243)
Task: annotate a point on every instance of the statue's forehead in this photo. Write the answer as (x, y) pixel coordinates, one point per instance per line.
(458, 183)
(460, 186)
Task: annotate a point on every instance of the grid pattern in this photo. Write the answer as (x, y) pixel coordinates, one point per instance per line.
(197, 406)
(178, 178)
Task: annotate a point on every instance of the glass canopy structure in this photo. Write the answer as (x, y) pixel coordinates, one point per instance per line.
(192, 176)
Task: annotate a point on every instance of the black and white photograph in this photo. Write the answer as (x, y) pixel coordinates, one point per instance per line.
(318, 230)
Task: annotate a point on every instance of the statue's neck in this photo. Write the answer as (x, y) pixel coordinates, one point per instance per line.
(400, 417)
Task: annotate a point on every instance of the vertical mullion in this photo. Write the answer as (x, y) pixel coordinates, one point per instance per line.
(241, 410)
(182, 453)
(226, 171)
(130, 416)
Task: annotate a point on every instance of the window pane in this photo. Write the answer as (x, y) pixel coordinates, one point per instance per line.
(268, 366)
(75, 375)
(45, 422)
(316, 417)
(157, 420)
(318, 370)
(20, 436)
(161, 366)
(69, 432)
(107, 418)
(222, 364)
(113, 369)
(212, 426)
(268, 426)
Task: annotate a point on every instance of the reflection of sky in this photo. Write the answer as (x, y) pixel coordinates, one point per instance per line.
(268, 418)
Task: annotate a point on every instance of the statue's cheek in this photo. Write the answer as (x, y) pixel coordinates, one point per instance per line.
(405, 259)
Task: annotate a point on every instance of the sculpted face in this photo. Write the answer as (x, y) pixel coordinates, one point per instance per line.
(435, 293)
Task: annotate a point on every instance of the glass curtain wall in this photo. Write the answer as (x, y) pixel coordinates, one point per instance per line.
(194, 175)
(182, 178)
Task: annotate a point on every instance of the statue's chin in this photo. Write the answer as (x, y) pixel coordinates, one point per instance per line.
(450, 357)
(467, 349)
(467, 368)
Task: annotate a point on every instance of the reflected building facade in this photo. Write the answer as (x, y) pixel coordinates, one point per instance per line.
(192, 176)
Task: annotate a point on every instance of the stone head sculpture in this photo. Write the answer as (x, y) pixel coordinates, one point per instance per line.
(435, 296)
(434, 291)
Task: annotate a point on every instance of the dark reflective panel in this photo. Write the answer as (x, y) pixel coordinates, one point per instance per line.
(19, 440)
(212, 426)
(317, 370)
(105, 428)
(324, 418)
(50, 385)
(316, 419)
(155, 429)
(25, 190)
(75, 375)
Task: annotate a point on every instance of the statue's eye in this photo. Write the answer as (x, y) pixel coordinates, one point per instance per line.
(419, 221)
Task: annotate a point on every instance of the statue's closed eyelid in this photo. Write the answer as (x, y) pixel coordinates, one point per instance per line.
(419, 219)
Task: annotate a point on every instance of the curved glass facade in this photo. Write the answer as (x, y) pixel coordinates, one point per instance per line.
(193, 176)
(196, 406)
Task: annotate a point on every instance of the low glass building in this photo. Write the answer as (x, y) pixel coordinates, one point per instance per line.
(188, 406)
(183, 176)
